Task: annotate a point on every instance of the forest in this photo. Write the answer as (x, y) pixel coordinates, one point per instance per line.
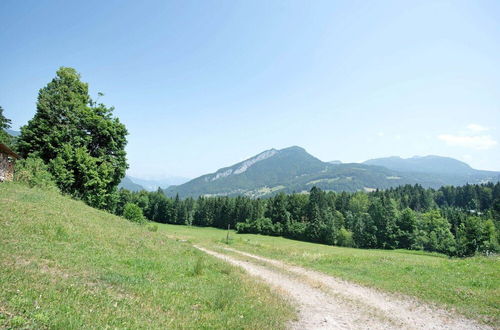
(457, 221)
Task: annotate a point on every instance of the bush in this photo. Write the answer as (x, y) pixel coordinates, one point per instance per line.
(344, 238)
(434, 234)
(476, 235)
(260, 226)
(33, 172)
(133, 213)
(295, 230)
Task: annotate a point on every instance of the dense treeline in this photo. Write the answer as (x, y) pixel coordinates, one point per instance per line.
(458, 221)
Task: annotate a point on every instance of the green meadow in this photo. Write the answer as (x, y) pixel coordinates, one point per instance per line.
(65, 265)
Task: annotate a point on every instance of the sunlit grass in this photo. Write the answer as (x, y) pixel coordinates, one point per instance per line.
(65, 265)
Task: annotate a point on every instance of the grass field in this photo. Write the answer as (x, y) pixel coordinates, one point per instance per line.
(65, 265)
(468, 286)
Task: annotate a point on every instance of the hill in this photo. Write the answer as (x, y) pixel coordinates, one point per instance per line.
(137, 184)
(128, 184)
(294, 170)
(13, 133)
(154, 184)
(64, 265)
(258, 175)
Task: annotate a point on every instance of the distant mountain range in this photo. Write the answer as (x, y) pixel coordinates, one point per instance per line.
(13, 133)
(426, 164)
(128, 184)
(137, 184)
(294, 170)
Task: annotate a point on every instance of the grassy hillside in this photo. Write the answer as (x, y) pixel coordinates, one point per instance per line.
(65, 265)
(469, 286)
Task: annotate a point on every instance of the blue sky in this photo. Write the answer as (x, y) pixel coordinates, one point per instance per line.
(204, 84)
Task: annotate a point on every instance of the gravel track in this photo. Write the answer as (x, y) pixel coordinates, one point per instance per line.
(325, 302)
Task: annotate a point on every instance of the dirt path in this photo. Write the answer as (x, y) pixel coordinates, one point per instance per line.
(329, 303)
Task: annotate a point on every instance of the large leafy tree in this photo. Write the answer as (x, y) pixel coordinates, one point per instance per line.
(80, 140)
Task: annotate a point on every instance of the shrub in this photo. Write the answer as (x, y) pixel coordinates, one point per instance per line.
(33, 172)
(133, 213)
(344, 238)
(434, 234)
(259, 226)
(476, 235)
(296, 230)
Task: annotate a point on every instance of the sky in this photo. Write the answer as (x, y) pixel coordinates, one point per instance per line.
(202, 85)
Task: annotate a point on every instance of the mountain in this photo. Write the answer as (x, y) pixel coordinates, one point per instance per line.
(427, 164)
(154, 184)
(137, 184)
(294, 170)
(267, 170)
(128, 184)
(13, 133)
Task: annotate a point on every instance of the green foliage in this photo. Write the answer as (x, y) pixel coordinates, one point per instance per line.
(80, 141)
(133, 213)
(259, 226)
(364, 231)
(406, 225)
(434, 234)
(476, 235)
(5, 137)
(344, 238)
(296, 230)
(4, 122)
(33, 172)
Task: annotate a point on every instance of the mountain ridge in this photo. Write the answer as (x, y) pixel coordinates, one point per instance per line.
(430, 163)
(293, 169)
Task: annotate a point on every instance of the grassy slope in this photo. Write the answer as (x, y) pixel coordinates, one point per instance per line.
(470, 286)
(66, 265)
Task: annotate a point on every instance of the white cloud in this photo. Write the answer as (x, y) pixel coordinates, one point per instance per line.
(480, 142)
(477, 128)
(380, 134)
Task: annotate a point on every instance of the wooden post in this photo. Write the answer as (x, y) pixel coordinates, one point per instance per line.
(227, 237)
